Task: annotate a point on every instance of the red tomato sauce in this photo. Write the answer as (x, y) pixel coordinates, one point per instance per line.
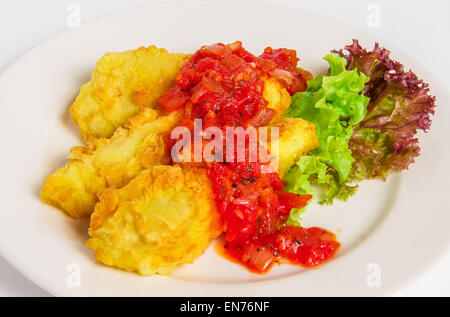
(223, 86)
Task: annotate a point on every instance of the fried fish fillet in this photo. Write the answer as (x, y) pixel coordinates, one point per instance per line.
(166, 216)
(277, 96)
(109, 162)
(120, 85)
(163, 218)
(296, 138)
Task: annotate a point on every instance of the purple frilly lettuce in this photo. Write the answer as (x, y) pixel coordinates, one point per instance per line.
(400, 105)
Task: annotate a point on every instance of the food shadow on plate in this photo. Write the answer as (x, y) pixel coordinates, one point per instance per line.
(59, 159)
(78, 227)
(395, 183)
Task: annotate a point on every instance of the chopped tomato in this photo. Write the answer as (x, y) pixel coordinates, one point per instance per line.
(305, 74)
(286, 70)
(307, 246)
(292, 200)
(233, 62)
(216, 50)
(173, 99)
(262, 117)
(260, 258)
(223, 86)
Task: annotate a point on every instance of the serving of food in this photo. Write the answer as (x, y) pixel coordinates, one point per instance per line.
(170, 162)
(271, 156)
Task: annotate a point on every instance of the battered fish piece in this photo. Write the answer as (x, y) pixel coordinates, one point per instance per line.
(296, 138)
(166, 216)
(163, 218)
(109, 162)
(277, 96)
(121, 84)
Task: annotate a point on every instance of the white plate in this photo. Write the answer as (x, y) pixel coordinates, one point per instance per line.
(399, 227)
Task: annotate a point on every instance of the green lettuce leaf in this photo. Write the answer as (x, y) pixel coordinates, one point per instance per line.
(367, 112)
(335, 104)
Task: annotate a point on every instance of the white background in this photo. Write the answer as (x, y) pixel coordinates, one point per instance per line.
(420, 27)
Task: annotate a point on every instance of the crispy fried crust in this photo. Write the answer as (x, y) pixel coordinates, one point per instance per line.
(296, 138)
(109, 162)
(277, 96)
(163, 218)
(120, 85)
